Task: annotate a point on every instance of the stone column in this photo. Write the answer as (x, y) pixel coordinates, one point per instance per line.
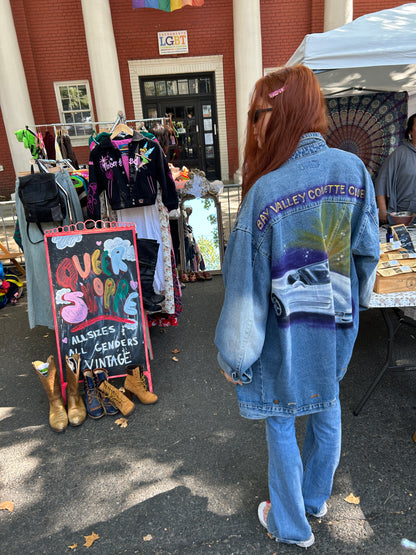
(337, 13)
(14, 94)
(102, 54)
(248, 61)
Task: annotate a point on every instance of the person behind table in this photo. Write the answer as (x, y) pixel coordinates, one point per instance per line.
(396, 180)
(299, 263)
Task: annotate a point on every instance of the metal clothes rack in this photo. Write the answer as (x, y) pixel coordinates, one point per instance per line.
(97, 124)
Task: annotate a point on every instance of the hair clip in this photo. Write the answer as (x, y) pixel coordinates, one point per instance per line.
(277, 92)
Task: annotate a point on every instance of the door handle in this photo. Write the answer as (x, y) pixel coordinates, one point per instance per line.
(215, 128)
(197, 128)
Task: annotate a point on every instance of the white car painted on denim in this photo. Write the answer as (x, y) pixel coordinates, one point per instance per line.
(313, 289)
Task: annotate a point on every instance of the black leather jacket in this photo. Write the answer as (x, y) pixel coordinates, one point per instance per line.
(147, 167)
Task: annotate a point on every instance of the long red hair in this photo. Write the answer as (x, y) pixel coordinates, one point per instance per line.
(299, 109)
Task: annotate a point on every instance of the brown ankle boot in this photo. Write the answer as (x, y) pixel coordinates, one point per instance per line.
(77, 412)
(135, 382)
(116, 398)
(58, 418)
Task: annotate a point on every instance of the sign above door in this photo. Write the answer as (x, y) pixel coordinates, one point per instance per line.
(172, 42)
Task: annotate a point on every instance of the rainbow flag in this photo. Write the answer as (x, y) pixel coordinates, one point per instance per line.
(166, 5)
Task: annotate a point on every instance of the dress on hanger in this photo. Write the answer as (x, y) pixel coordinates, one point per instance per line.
(37, 278)
(135, 175)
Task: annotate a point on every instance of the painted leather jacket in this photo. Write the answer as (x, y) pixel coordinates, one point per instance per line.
(147, 167)
(299, 264)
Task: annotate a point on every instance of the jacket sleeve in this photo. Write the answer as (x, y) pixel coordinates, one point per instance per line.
(366, 246)
(94, 189)
(164, 177)
(241, 327)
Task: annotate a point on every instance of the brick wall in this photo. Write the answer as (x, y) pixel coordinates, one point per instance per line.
(283, 26)
(210, 32)
(362, 7)
(52, 41)
(53, 46)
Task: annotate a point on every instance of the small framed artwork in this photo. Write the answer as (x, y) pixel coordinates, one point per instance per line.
(209, 138)
(207, 124)
(206, 110)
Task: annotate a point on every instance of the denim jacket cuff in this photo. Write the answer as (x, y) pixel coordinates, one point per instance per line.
(244, 377)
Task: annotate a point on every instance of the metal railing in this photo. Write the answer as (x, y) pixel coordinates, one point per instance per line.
(230, 200)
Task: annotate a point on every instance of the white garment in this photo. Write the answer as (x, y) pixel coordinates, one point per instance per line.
(146, 220)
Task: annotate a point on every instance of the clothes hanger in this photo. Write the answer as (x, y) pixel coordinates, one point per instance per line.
(121, 128)
(30, 131)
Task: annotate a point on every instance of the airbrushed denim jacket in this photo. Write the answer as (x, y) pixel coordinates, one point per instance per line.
(299, 264)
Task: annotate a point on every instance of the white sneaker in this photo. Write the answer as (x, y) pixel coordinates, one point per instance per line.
(321, 513)
(260, 510)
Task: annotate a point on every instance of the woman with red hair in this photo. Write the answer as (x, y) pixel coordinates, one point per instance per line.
(299, 264)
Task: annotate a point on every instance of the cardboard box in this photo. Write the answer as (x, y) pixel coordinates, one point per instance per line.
(395, 284)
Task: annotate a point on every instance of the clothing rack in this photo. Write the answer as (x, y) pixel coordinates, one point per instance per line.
(98, 124)
(65, 163)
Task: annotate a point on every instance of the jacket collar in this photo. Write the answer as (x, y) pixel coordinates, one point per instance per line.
(310, 143)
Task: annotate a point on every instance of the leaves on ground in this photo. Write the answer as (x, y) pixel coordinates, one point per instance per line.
(9, 505)
(74, 546)
(414, 437)
(175, 359)
(148, 538)
(352, 499)
(122, 422)
(176, 351)
(89, 540)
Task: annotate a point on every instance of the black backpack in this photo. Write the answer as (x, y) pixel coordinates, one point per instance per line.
(41, 199)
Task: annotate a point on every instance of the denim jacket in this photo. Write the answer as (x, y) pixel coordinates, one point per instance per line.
(299, 264)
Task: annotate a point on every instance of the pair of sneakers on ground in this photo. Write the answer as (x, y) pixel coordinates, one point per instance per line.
(264, 508)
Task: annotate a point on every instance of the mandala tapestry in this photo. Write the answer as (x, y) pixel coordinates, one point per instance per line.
(370, 126)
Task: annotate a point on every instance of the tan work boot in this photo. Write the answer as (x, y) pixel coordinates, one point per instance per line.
(77, 412)
(116, 398)
(58, 418)
(135, 382)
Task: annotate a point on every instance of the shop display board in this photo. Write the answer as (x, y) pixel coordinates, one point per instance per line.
(96, 296)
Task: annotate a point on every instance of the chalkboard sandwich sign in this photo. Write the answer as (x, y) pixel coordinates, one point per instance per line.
(96, 296)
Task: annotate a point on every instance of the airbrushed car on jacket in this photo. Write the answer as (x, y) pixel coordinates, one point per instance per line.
(313, 289)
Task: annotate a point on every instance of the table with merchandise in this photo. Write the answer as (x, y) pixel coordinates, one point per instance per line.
(397, 307)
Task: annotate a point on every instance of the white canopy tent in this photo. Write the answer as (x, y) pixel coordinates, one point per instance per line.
(374, 53)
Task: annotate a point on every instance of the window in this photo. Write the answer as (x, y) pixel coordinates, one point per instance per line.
(75, 107)
(175, 87)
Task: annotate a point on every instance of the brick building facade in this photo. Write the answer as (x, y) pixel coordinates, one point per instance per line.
(53, 47)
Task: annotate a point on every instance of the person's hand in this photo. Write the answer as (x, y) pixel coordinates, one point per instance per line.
(229, 378)
(382, 216)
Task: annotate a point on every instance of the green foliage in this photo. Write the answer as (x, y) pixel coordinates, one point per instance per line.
(210, 253)
(212, 218)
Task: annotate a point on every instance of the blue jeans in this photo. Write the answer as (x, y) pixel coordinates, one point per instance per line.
(301, 484)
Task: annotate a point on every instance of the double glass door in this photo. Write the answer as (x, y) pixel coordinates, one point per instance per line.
(189, 101)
